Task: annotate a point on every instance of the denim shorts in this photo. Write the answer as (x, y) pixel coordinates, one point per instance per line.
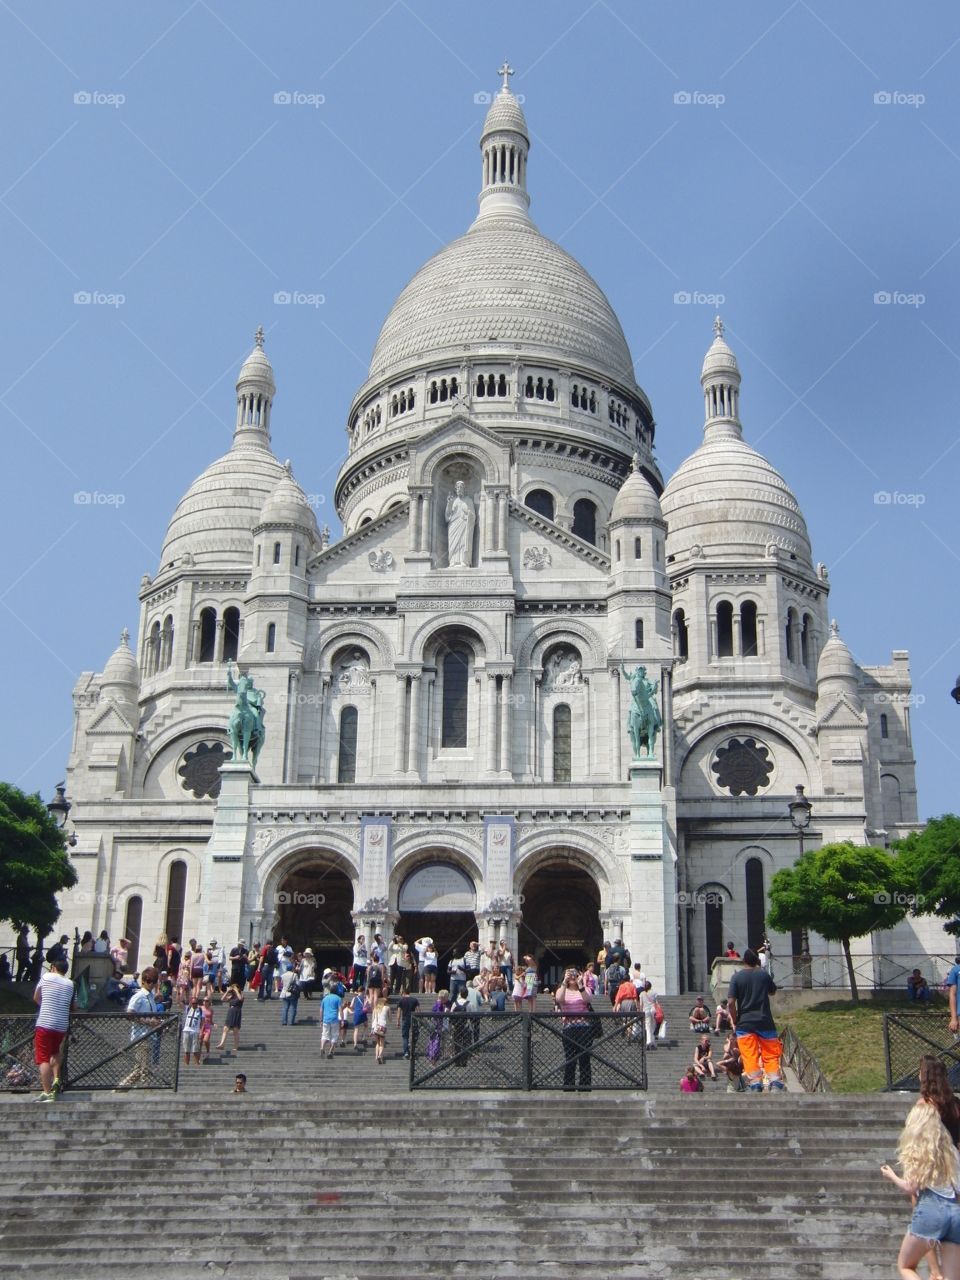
(935, 1218)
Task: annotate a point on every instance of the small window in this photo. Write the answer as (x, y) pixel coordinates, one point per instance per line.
(231, 634)
(638, 548)
(258, 554)
(724, 629)
(456, 677)
(748, 629)
(208, 635)
(276, 553)
(884, 728)
(638, 633)
(271, 637)
(176, 900)
(806, 641)
(789, 631)
(681, 641)
(131, 931)
(347, 752)
(585, 520)
(616, 550)
(561, 743)
(540, 501)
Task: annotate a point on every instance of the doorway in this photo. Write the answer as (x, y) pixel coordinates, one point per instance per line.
(561, 919)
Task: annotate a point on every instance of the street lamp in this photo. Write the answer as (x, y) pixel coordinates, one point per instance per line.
(59, 810)
(801, 811)
(955, 691)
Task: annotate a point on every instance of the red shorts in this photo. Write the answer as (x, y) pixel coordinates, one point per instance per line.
(46, 1044)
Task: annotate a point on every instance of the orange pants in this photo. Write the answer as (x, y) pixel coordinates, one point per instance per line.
(760, 1053)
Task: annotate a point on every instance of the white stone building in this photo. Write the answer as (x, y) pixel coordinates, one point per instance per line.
(447, 748)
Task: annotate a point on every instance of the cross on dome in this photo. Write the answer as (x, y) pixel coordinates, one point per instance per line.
(125, 638)
(506, 71)
(718, 327)
(258, 337)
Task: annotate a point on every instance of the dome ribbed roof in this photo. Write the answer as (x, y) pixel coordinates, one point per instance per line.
(728, 499)
(505, 114)
(121, 667)
(503, 287)
(636, 500)
(836, 660)
(288, 504)
(214, 520)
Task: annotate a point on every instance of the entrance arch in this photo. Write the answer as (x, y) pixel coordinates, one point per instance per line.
(438, 900)
(314, 905)
(560, 925)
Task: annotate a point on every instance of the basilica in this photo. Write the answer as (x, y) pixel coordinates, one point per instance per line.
(448, 692)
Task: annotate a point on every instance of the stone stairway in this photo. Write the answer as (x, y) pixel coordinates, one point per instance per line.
(339, 1184)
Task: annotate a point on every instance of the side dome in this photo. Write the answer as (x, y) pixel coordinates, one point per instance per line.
(836, 661)
(121, 670)
(636, 500)
(288, 506)
(503, 288)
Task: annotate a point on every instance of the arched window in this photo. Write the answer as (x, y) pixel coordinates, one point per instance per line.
(153, 649)
(585, 520)
(756, 902)
(638, 633)
(481, 385)
(681, 641)
(892, 799)
(271, 637)
(806, 640)
(724, 629)
(456, 677)
(166, 642)
(208, 635)
(132, 923)
(347, 752)
(540, 501)
(259, 548)
(713, 924)
(616, 550)
(296, 555)
(884, 727)
(176, 900)
(276, 553)
(231, 634)
(638, 548)
(561, 743)
(502, 385)
(748, 629)
(790, 632)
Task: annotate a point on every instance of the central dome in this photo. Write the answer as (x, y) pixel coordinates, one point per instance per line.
(503, 287)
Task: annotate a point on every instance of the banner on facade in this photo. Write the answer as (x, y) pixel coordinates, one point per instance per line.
(498, 841)
(375, 854)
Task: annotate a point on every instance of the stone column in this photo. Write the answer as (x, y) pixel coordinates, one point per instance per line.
(413, 751)
(218, 651)
(322, 713)
(503, 505)
(491, 727)
(737, 638)
(535, 728)
(616, 737)
(761, 637)
(414, 522)
(426, 525)
(222, 873)
(290, 745)
(506, 721)
(400, 725)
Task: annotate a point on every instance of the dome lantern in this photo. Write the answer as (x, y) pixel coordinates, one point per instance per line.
(255, 391)
(504, 143)
(720, 379)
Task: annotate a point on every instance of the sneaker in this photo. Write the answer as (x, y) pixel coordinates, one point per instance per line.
(56, 1087)
(406, 1055)
(44, 1097)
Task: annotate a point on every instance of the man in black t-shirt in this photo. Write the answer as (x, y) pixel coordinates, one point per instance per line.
(748, 1000)
(238, 966)
(407, 1006)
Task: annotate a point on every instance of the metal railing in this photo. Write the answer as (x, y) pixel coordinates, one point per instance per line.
(907, 1037)
(804, 1065)
(874, 972)
(103, 1051)
(528, 1051)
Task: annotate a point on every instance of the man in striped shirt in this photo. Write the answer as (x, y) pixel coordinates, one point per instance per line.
(54, 995)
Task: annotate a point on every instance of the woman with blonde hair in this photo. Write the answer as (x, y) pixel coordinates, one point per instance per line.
(931, 1174)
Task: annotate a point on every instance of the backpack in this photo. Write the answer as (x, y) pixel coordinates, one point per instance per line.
(615, 975)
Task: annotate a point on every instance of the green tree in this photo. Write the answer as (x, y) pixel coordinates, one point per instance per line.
(930, 861)
(34, 866)
(840, 891)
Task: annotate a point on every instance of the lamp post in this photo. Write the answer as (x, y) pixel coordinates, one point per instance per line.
(59, 810)
(955, 691)
(801, 810)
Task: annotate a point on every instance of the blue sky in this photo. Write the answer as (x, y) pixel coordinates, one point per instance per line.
(801, 159)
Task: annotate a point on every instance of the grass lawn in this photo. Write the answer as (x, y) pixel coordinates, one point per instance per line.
(847, 1040)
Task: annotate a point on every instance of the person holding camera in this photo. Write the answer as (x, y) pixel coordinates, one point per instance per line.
(576, 1007)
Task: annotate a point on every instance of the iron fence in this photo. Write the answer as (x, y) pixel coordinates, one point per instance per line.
(874, 972)
(528, 1051)
(103, 1051)
(907, 1037)
(805, 1066)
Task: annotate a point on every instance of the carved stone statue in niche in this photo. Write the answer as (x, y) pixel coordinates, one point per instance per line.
(353, 672)
(563, 671)
(461, 516)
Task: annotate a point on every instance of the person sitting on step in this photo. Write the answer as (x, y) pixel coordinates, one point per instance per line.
(703, 1058)
(700, 1016)
(917, 989)
(690, 1082)
(732, 1064)
(723, 1021)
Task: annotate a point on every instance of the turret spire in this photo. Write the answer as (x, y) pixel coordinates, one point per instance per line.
(255, 391)
(505, 143)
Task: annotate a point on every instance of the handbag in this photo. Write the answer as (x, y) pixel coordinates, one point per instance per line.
(255, 981)
(657, 1012)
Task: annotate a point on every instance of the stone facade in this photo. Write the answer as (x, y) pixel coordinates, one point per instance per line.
(445, 685)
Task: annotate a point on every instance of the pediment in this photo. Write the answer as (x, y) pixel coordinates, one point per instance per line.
(112, 720)
(532, 534)
(844, 714)
(492, 453)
